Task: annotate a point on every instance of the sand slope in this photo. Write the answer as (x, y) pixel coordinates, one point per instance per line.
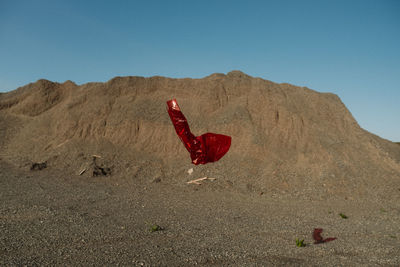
(284, 138)
(298, 160)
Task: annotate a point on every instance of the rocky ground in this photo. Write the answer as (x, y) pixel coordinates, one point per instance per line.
(48, 218)
(109, 167)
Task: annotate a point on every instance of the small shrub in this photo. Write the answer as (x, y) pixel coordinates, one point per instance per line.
(300, 243)
(343, 216)
(155, 228)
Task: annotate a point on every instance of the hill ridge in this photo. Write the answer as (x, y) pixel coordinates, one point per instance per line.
(285, 137)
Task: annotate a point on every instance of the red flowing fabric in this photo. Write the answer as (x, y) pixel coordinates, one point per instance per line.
(319, 239)
(203, 149)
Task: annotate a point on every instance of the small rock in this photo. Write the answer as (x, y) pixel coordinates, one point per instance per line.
(37, 166)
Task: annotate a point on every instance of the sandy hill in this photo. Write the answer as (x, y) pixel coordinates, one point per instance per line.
(284, 138)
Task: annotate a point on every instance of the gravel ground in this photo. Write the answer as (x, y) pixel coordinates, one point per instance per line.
(49, 218)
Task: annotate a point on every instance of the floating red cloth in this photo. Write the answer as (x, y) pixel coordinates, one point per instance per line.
(318, 238)
(205, 148)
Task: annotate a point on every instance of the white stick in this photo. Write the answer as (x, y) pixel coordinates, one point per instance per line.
(196, 181)
(82, 171)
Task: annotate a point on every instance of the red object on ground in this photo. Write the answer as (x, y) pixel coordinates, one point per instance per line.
(318, 238)
(205, 148)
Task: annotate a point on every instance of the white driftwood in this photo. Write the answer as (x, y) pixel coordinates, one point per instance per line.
(82, 171)
(197, 181)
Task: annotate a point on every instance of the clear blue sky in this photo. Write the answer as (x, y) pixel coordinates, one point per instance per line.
(351, 48)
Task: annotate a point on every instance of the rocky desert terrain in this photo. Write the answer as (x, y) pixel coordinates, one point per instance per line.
(95, 174)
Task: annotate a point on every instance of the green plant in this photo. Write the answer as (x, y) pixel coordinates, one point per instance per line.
(155, 228)
(300, 243)
(343, 216)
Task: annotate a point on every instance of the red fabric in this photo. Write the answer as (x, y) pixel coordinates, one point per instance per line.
(203, 149)
(318, 238)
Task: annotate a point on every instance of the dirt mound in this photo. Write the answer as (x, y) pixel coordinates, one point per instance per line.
(284, 138)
